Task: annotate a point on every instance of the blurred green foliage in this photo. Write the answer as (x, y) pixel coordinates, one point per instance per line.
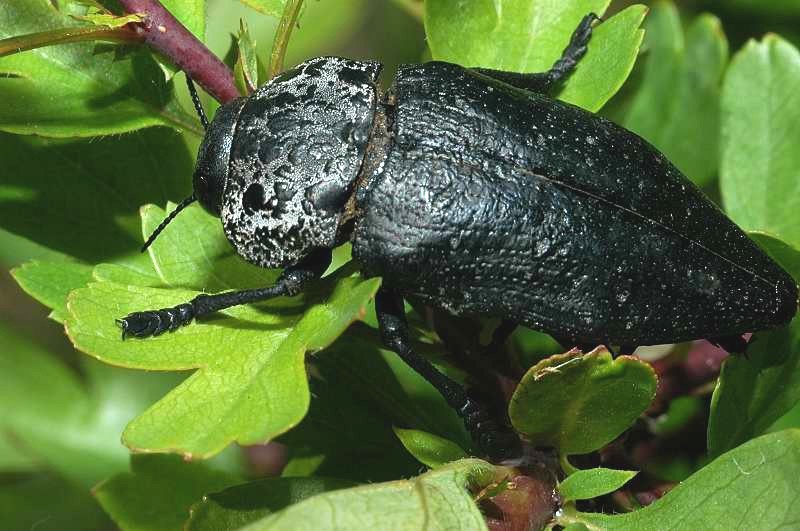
(91, 133)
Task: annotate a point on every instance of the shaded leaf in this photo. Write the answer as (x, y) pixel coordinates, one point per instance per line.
(529, 36)
(359, 391)
(74, 426)
(593, 482)
(580, 402)
(751, 487)
(436, 500)
(754, 391)
(43, 502)
(237, 506)
(677, 105)
(246, 69)
(158, 491)
(51, 282)
(760, 162)
(429, 449)
(82, 197)
(72, 91)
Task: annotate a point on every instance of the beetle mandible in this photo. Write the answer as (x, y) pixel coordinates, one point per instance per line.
(476, 192)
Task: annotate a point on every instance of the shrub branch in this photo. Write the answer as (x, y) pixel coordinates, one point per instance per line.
(165, 34)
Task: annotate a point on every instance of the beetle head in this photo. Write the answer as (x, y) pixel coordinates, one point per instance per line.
(211, 172)
(298, 147)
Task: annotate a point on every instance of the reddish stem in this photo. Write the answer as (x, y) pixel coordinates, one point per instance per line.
(165, 34)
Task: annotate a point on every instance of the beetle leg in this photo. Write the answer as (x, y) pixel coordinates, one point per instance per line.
(496, 440)
(574, 51)
(500, 335)
(545, 82)
(291, 282)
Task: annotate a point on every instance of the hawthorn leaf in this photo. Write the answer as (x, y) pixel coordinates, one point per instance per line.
(251, 385)
(677, 104)
(753, 486)
(529, 36)
(578, 403)
(191, 13)
(193, 252)
(754, 391)
(82, 197)
(157, 492)
(438, 499)
(107, 19)
(74, 426)
(359, 391)
(51, 282)
(237, 506)
(593, 482)
(45, 502)
(429, 449)
(72, 90)
(246, 69)
(760, 162)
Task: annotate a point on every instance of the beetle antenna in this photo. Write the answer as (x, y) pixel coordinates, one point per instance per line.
(196, 100)
(183, 204)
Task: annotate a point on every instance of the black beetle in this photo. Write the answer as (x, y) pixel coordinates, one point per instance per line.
(474, 191)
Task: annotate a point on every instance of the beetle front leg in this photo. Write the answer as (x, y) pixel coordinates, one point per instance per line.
(494, 439)
(291, 282)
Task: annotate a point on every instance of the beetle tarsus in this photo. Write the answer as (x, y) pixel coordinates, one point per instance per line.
(156, 322)
(575, 50)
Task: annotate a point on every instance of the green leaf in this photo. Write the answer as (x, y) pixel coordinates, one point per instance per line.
(82, 197)
(268, 7)
(760, 135)
(217, 404)
(594, 482)
(754, 391)
(529, 36)
(43, 502)
(193, 252)
(70, 425)
(158, 491)
(359, 391)
(677, 105)
(580, 402)
(246, 69)
(108, 19)
(51, 282)
(191, 13)
(429, 449)
(237, 506)
(436, 500)
(751, 487)
(72, 90)
(252, 383)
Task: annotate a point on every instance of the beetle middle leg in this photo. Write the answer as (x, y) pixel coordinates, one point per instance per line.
(545, 82)
(291, 282)
(494, 439)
